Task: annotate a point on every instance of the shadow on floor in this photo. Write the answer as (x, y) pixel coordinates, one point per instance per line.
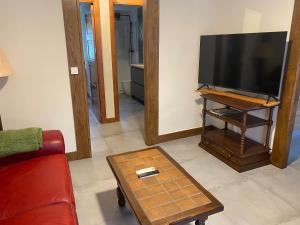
(112, 213)
(295, 147)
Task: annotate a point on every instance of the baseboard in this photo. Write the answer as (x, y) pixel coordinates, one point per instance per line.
(71, 156)
(181, 134)
(110, 120)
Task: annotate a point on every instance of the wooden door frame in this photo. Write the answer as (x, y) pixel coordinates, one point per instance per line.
(114, 51)
(71, 11)
(151, 72)
(77, 82)
(98, 57)
(151, 63)
(290, 96)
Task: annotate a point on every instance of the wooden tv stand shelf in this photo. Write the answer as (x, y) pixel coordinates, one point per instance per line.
(235, 149)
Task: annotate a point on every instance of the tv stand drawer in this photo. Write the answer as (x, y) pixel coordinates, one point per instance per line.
(217, 148)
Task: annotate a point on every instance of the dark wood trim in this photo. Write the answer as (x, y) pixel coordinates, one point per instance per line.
(151, 64)
(289, 98)
(77, 82)
(182, 134)
(114, 60)
(111, 120)
(71, 156)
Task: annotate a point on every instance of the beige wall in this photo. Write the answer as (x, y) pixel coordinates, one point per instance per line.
(107, 58)
(38, 94)
(181, 24)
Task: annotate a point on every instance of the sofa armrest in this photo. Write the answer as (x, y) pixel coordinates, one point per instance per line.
(53, 143)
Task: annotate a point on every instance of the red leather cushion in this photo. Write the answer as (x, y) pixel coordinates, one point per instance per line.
(34, 183)
(60, 214)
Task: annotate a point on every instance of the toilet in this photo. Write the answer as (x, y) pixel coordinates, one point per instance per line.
(126, 85)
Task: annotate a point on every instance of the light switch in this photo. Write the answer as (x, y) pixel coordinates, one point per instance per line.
(74, 71)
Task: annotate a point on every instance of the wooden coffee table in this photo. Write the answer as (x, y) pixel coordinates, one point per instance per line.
(172, 197)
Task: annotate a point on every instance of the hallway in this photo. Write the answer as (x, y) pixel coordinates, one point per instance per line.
(110, 138)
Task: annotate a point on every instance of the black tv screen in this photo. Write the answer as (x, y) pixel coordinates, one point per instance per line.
(249, 62)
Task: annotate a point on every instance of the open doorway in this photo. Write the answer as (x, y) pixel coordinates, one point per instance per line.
(90, 66)
(72, 22)
(129, 38)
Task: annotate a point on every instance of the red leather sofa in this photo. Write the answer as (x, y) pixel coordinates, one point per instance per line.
(36, 187)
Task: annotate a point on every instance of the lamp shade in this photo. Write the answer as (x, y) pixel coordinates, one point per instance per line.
(5, 69)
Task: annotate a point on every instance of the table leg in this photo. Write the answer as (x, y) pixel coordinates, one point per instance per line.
(204, 115)
(270, 123)
(121, 198)
(198, 222)
(226, 123)
(243, 133)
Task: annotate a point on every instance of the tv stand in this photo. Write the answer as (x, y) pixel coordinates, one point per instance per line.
(203, 86)
(259, 101)
(235, 149)
(271, 97)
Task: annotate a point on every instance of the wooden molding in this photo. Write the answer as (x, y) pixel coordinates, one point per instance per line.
(78, 82)
(151, 64)
(114, 59)
(129, 2)
(182, 134)
(290, 95)
(111, 120)
(259, 101)
(71, 156)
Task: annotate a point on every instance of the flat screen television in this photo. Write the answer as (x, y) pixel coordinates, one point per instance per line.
(250, 62)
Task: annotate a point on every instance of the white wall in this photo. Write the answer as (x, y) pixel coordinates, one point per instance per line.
(181, 25)
(38, 94)
(107, 58)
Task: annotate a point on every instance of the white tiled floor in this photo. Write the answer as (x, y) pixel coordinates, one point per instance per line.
(265, 196)
(130, 130)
